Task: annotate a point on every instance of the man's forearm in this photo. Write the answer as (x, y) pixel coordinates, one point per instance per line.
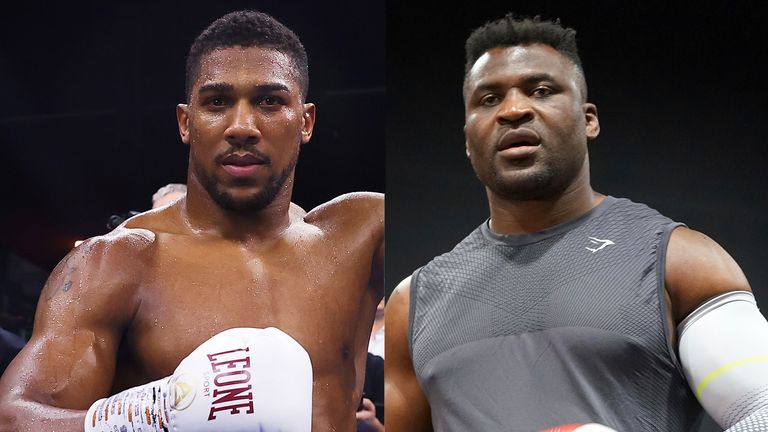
(24, 415)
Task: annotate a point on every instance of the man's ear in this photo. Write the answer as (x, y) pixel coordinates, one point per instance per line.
(307, 122)
(182, 118)
(466, 143)
(591, 121)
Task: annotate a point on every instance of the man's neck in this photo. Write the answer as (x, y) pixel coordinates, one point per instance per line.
(529, 216)
(204, 216)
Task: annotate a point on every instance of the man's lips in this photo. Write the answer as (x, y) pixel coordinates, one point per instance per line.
(243, 164)
(518, 143)
(518, 138)
(243, 159)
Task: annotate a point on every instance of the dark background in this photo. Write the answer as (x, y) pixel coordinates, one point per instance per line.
(88, 126)
(681, 96)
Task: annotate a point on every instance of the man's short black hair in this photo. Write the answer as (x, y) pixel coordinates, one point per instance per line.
(512, 31)
(247, 28)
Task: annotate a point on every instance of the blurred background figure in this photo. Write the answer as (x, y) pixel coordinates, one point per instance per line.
(370, 414)
(20, 282)
(168, 194)
(10, 345)
(115, 220)
(165, 195)
(376, 343)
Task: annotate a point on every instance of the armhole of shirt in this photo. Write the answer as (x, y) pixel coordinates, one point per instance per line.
(412, 293)
(664, 305)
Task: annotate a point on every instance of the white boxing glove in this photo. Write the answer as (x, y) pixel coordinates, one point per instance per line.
(242, 379)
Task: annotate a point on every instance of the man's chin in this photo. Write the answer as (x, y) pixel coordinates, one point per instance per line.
(240, 201)
(244, 194)
(524, 186)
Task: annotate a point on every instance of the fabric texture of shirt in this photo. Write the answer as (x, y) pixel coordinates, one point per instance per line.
(566, 325)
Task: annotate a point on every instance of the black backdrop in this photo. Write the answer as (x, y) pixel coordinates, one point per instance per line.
(681, 97)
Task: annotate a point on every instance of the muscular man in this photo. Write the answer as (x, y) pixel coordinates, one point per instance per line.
(566, 306)
(126, 308)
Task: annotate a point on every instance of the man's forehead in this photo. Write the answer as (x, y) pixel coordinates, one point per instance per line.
(521, 59)
(257, 65)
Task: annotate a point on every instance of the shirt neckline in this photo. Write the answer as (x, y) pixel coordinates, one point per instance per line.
(524, 239)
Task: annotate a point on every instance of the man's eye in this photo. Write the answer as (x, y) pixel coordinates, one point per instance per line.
(490, 100)
(217, 101)
(270, 100)
(541, 91)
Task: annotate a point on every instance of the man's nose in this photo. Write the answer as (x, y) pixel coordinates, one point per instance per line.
(243, 128)
(515, 109)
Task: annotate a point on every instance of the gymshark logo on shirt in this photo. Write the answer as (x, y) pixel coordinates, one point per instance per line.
(599, 244)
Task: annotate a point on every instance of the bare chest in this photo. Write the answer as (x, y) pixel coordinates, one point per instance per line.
(306, 289)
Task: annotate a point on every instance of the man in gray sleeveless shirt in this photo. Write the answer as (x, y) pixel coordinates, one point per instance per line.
(567, 306)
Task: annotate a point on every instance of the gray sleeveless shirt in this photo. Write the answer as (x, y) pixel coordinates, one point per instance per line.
(566, 325)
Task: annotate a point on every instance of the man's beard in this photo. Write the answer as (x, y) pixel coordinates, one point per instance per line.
(551, 179)
(534, 186)
(255, 202)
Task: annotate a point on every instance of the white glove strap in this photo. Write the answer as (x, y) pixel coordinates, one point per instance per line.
(143, 408)
(724, 354)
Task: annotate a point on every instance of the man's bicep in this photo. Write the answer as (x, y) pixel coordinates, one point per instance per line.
(371, 206)
(69, 361)
(697, 269)
(407, 407)
(377, 269)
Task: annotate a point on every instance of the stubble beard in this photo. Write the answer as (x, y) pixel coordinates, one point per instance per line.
(536, 185)
(544, 182)
(255, 202)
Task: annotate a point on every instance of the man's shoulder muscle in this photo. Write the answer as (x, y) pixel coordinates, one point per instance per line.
(97, 278)
(362, 209)
(153, 222)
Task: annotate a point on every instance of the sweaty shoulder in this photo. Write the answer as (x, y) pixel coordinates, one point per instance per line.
(158, 221)
(96, 282)
(697, 268)
(124, 250)
(354, 210)
(120, 256)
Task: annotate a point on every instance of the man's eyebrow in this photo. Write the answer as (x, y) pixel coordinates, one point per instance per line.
(218, 87)
(538, 77)
(215, 87)
(271, 87)
(524, 80)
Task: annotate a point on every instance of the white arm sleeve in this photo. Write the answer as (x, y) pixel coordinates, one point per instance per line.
(755, 422)
(724, 355)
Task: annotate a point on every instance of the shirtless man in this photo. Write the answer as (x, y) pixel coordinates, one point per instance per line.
(126, 308)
